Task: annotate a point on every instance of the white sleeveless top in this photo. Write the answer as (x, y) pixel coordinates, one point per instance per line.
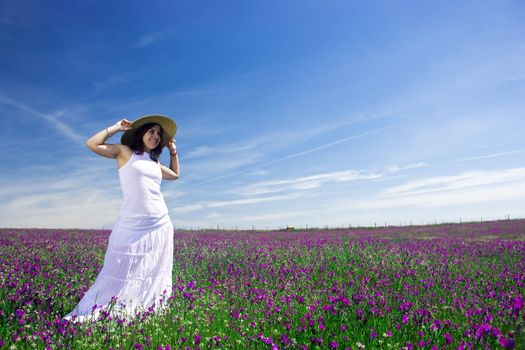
(140, 180)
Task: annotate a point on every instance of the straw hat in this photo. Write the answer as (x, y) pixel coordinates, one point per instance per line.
(168, 125)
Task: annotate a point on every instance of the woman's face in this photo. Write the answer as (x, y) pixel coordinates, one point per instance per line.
(151, 138)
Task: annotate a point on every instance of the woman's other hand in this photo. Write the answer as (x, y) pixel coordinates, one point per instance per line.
(172, 147)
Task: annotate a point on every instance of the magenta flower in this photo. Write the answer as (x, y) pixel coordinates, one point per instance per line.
(448, 338)
(518, 303)
(507, 343)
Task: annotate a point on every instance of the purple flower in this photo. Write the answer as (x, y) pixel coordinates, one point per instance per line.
(316, 340)
(285, 339)
(437, 324)
(495, 332)
(334, 345)
(507, 343)
(197, 339)
(448, 338)
(517, 305)
(20, 313)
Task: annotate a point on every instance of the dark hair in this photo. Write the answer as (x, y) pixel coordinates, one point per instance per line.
(137, 145)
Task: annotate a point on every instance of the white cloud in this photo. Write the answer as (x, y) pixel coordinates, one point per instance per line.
(257, 173)
(234, 202)
(301, 183)
(253, 158)
(330, 144)
(80, 194)
(187, 208)
(73, 208)
(147, 40)
(272, 217)
(199, 169)
(493, 155)
(294, 188)
(468, 179)
(215, 216)
(117, 80)
(318, 180)
(204, 151)
(467, 188)
(51, 119)
(503, 192)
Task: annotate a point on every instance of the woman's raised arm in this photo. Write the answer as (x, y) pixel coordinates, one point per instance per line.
(96, 142)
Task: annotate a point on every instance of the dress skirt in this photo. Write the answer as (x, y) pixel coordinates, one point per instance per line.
(137, 271)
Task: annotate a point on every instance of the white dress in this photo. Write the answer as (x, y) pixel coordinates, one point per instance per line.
(139, 258)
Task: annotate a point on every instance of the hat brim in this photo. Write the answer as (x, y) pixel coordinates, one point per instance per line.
(168, 126)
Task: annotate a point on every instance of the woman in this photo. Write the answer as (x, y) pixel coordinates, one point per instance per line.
(137, 271)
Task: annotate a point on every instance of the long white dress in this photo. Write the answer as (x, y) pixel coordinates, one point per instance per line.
(138, 263)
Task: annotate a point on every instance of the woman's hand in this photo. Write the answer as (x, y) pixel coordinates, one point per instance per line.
(123, 125)
(172, 147)
(97, 142)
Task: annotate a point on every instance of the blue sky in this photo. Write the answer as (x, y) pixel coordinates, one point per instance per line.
(318, 113)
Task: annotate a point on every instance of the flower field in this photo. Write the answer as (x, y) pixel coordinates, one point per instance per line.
(454, 286)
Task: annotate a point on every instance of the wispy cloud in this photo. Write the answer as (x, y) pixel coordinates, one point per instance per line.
(78, 194)
(51, 119)
(303, 183)
(272, 217)
(514, 78)
(467, 179)
(118, 79)
(299, 154)
(78, 209)
(493, 155)
(501, 192)
(257, 172)
(332, 143)
(293, 189)
(466, 188)
(72, 205)
(318, 180)
(235, 202)
(147, 40)
(203, 151)
(219, 164)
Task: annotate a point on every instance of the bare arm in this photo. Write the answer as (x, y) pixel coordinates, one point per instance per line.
(171, 173)
(97, 144)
